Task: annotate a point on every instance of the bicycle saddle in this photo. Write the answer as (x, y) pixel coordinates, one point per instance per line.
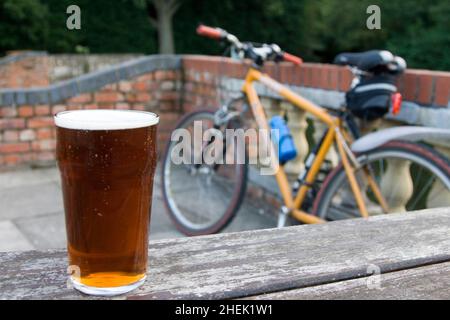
(372, 60)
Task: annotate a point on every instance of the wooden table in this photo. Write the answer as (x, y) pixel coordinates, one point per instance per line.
(338, 260)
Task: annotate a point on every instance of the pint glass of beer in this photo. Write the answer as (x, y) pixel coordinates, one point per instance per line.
(107, 162)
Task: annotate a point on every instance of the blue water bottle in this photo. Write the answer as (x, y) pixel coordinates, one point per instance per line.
(286, 146)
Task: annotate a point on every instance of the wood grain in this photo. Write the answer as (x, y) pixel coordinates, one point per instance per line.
(427, 282)
(250, 263)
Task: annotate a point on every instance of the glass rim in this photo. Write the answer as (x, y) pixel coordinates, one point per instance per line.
(101, 123)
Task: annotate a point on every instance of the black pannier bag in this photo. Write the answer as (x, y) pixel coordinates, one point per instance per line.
(371, 98)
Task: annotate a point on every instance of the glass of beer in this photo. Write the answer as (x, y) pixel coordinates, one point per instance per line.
(107, 161)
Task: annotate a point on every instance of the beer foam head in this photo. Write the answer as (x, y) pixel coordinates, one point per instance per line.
(105, 119)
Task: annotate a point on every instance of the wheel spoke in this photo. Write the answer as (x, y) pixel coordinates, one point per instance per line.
(200, 200)
(410, 181)
(422, 192)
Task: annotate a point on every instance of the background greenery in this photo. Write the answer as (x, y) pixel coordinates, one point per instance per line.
(418, 30)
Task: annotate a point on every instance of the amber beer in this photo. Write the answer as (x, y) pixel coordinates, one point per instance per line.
(107, 161)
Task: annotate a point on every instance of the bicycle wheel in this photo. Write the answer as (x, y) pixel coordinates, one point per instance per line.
(411, 177)
(200, 198)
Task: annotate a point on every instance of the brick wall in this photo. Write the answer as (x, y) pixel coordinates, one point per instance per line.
(202, 76)
(27, 132)
(169, 86)
(23, 69)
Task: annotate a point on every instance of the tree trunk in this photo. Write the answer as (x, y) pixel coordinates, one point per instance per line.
(165, 31)
(165, 10)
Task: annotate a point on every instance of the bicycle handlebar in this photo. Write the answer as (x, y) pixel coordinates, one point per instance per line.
(210, 32)
(291, 58)
(269, 52)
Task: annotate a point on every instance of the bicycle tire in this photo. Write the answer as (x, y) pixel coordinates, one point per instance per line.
(236, 200)
(434, 159)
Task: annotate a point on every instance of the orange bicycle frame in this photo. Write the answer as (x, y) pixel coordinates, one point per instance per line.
(292, 203)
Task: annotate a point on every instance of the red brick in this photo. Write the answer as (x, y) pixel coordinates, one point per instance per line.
(42, 110)
(442, 91)
(153, 86)
(410, 86)
(194, 76)
(171, 75)
(122, 106)
(305, 75)
(140, 107)
(82, 98)
(41, 122)
(27, 157)
(125, 86)
(296, 75)
(159, 75)
(167, 85)
(108, 97)
(11, 136)
(44, 133)
(140, 86)
(43, 145)
(58, 108)
(172, 95)
(76, 106)
(107, 106)
(91, 106)
(316, 76)
(110, 87)
(139, 97)
(286, 70)
(345, 79)
(189, 86)
(27, 135)
(169, 117)
(146, 77)
(333, 74)
(14, 147)
(270, 69)
(325, 77)
(12, 159)
(12, 123)
(45, 156)
(25, 111)
(167, 106)
(6, 112)
(425, 88)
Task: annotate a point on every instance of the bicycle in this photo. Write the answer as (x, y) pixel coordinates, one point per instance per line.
(203, 198)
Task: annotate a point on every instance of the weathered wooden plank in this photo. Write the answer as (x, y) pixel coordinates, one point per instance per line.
(254, 262)
(427, 282)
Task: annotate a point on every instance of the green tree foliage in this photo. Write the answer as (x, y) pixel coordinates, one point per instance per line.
(418, 30)
(106, 26)
(276, 21)
(422, 34)
(22, 24)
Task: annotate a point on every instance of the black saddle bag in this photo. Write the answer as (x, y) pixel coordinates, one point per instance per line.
(371, 98)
